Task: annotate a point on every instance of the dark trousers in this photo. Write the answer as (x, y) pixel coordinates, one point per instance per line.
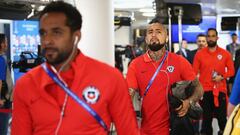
(4, 117)
(209, 110)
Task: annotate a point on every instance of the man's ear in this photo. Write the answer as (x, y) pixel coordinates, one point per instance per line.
(166, 39)
(77, 37)
(145, 39)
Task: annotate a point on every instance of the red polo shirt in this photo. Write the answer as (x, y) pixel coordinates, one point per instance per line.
(205, 62)
(38, 101)
(155, 111)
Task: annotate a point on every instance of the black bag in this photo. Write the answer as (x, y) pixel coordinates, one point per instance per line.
(179, 125)
(183, 90)
(182, 125)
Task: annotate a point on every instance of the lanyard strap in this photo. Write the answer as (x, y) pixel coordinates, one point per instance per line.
(155, 74)
(74, 96)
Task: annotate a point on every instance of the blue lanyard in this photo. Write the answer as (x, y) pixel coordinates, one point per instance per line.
(74, 96)
(154, 75)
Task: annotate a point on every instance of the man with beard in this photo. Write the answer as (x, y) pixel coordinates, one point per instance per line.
(152, 75)
(214, 66)
(70, 94)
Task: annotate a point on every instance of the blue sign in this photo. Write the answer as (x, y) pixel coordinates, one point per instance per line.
(190, 32)
(24, 37)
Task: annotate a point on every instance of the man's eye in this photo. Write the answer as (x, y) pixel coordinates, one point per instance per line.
(57, 32)
(41, 33)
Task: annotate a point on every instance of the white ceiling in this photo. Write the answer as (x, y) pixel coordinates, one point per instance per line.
(209, 7)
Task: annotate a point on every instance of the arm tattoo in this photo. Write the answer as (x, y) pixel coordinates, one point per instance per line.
(198, 91)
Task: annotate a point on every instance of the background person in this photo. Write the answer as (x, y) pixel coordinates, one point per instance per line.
(172, 68)
(235, 95)
(186, 53)
(201, 43)
(43, 106)
(232, 48)
(5, 86)
(211, 64)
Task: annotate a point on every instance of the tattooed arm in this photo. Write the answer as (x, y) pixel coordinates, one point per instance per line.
(196, 96)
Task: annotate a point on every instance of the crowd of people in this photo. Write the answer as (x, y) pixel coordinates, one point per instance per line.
(74, 94)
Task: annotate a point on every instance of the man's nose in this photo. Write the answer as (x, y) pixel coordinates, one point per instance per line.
(46, 40)
(154, 34)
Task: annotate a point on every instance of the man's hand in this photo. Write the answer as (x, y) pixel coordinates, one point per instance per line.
(131, 92)
(2, 102)
(184, 109)
(218, 78)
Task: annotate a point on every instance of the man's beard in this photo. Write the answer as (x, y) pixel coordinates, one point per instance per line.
(155, 46)
(59, 58)
(212, 43)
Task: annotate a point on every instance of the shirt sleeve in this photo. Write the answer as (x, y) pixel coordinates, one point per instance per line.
(196, 63)
(21, 119)
(230, 67)
(235, 94)
(2, 69)
(121, 109)
(131, 76)
(187, 72)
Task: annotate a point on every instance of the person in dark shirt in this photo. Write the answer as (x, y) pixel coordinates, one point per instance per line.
(186, 53)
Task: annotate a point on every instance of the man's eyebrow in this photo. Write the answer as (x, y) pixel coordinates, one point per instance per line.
(56, 28)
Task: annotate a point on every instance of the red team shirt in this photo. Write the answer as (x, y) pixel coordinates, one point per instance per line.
(155, 106)
(38, 101)
(205, 62)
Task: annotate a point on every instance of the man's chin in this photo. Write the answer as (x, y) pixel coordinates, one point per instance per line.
(51, 60)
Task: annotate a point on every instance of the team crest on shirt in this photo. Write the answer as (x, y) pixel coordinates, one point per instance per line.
(170, 69)
(91, 94)
(219, 56)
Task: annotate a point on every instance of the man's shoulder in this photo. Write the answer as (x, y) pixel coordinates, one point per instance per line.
(94, 65)
(238, 50)
(36, 72)
(203, 50)
(140, 59)
(223, 50)
(194, 51)
(1, 58)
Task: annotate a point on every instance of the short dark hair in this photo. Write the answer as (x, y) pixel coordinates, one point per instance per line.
(74, 18)
(158, 20)
(201, 35)
(2, 39)
(213, 30)
(155, 20)
(184, 39)
(234, 34)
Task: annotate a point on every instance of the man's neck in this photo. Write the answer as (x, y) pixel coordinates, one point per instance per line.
(59, 66)
(156, 55)
(212, 49)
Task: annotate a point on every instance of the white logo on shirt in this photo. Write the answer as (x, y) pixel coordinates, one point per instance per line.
(91, 94)
(170, 69)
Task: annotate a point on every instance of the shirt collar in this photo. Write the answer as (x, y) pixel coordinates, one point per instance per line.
(46, 80)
